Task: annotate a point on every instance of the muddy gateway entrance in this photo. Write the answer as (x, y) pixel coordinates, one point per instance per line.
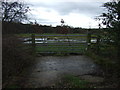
(49, 70)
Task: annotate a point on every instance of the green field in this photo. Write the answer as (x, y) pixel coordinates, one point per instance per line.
(61, 48)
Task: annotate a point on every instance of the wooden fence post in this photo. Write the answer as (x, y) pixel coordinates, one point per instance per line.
(88, 40)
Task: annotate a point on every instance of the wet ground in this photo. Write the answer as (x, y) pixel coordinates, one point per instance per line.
(48, 69)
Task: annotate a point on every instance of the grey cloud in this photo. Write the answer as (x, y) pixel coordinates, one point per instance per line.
(64, 8)
(41, 20)
(82, 8)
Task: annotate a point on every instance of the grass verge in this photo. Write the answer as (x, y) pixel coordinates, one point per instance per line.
(70, 81)
(109, 67)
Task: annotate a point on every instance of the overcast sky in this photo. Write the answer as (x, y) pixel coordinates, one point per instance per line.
(76, 13)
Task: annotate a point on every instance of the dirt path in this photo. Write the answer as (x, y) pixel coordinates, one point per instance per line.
(49, 69)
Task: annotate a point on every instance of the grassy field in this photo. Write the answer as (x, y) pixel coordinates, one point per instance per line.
(61, 48)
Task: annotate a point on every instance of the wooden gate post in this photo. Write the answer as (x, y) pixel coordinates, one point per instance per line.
(98, 40)
(98, 44)
(88, 40)
(33, 39)
(33, 43)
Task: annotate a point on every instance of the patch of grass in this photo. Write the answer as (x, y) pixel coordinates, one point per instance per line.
(108, 65)
(13, 86)
(98, 59)
(61, 49)
(70, 81)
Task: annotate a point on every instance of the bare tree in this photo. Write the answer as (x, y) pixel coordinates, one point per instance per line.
(14, 11)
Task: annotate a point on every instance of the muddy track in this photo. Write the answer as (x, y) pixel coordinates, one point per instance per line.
(48, 69)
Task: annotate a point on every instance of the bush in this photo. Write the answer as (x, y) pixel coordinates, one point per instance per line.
(15, 56)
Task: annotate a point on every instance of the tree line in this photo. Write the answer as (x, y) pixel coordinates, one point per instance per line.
(19, 28)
